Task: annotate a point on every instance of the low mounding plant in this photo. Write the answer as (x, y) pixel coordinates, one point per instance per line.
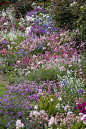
(22, 7)
(43, 75)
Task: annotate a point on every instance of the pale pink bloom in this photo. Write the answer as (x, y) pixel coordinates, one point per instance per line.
(83, 118)
(69, 113)
(62, 68)
(66, 107)
(80, 114)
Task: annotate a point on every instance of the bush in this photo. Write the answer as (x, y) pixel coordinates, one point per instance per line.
(22, 7)
(71, 15)
(67, 13)
(4, 5)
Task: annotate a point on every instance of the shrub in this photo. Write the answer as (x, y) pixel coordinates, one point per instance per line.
(4, 5)
(67, 13)
(22, 7)
(72, 16)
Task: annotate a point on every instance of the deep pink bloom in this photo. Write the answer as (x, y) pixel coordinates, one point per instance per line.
(79, 106)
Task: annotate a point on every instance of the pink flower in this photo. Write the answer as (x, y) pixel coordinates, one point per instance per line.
(83, 118)
(62, 68)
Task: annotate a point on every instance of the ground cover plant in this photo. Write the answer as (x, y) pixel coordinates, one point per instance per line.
(45, 67)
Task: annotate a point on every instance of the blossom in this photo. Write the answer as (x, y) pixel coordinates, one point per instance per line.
(80, 91)
(19, 124)
(62, 68)
(83, 118)
(52, 121)
(34, 113)
(59, 98)
(69, 113)
(67, 107)
(36, 107)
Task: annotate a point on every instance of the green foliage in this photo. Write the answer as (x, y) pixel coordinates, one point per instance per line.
(43, 75)
(79, 125)
(3, 1)
(46, 104)
(2, 89)
(22, 7)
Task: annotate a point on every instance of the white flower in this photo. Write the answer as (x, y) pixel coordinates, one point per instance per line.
(59, 98)
(58, 105)
(40, 62)
(36, 107)
(33, 3)
(52, 121)
(83, 118)
(34, 113)
(9, 47)
(42, 112)
(73, 4)
(18, 61)
(19, 124)
(28, 29)
(5, 23)
(51, 99)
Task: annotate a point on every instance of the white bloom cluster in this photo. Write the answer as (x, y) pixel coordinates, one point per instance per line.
(34, 113)
(19, 124)
(73, 4)
(52, 121)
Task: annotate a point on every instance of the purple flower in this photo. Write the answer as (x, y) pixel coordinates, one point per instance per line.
(8, 124)
(26, 89)
(80, 91)
(5, 100)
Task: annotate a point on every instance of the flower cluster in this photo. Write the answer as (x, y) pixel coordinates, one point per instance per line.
(82, 107)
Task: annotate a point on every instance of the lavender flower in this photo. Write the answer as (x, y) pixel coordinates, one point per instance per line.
(80, 91)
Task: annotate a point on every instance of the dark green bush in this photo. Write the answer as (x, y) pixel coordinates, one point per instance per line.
(4, 4)
(72, 15)
(22, 7)
(69, 14)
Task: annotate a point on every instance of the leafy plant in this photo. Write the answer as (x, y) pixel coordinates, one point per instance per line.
(78, 125)
(43, 75)
(71, 15)
(22, 7)
(4, 5)
(46, 104)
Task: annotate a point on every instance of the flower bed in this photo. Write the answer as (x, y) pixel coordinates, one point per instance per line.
(47, 71)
